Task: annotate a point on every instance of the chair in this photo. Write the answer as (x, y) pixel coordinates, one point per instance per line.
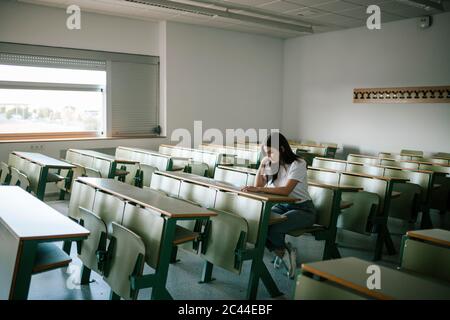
(102, 166)
(357, 218)
(226, 237)
(5, 173)
(107, 209)
(149, 225)
(236, 178)
(146, 174)
(19, 179)
(93, 173)
(198, 168)
(82, 195)
(126, 253)
(411, 153)
(167, 185)
(307, 288)
(329, 164)
(323, 176)
(426, 259)
(326, 202)
(365, 169)
(247, 208)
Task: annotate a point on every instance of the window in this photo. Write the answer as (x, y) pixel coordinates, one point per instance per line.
(37, 100)
(48, 92)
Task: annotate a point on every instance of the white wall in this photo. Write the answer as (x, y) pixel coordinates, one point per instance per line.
(320, 72)
(226, 79)
(41, 25)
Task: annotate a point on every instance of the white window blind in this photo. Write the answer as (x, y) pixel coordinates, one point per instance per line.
(52, 62)
(134, 98)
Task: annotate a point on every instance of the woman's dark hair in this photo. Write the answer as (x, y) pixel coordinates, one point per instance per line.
(287, 156)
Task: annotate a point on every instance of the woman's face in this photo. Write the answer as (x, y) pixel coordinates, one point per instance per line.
(273, 154)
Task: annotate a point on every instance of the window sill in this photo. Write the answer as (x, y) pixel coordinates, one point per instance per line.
(27, 140)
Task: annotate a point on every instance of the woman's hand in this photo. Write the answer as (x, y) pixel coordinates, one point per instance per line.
(250, 189)
(264, 162)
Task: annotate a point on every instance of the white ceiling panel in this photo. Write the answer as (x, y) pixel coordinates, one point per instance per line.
(280, 6)
(324, 15)
(335, 6)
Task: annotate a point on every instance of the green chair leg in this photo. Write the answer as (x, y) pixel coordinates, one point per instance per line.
(67, 246)
(207, 273)
(114, 296)
(173, 258)
(85, 275)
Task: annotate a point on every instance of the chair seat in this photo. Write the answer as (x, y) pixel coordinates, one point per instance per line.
(345, 205)
(121, 173)
(276, 218)
(177, 168)
(53, 177)
(49, 257)
(396, 194)
(183, 235)
(299, 232)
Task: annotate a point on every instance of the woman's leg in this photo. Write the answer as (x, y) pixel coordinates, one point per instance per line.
(298, 217)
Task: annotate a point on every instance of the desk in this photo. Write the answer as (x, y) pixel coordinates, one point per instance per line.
(258, 269)
(351, 273)
(45, 163)
(25, 222)
(435, 236)
(171, 209)
(112, 170)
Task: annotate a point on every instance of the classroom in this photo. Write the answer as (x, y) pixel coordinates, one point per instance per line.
(209, 150)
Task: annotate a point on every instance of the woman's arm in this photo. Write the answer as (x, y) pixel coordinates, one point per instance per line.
(282, 191)
(260, 180)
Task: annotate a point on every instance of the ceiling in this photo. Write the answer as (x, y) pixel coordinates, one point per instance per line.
(323, 15)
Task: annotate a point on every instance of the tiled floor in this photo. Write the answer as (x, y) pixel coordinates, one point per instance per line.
(184, 276)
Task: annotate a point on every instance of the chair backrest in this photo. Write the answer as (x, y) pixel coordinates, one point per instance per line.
(363, 159)
(323, 203)
(251, 179)
(421, 178)
(103, 166)
(147, 174)
(168, 185)
(411, 152)
(329, 164)
(364, 207)
(127, 259)
(198, 194)
(96, 241)
(33, 172)
(72, 156)
(325, 177)
(16, 162)
(228, 232)
(148, 157)
(82, 196)
(377, 186)
(399, 164)
(434, 168)
(236, 178)
(109, 208)
(93, 173)
(5, 173)
(199, 168)
(365, 169)
(249, 209)
(149, 225)
(311, 289)
(19, 179)
(86, 161)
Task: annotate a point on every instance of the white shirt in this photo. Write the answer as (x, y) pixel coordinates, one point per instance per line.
(294, 171)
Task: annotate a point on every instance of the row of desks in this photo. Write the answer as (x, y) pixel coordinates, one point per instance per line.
(351, 273)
